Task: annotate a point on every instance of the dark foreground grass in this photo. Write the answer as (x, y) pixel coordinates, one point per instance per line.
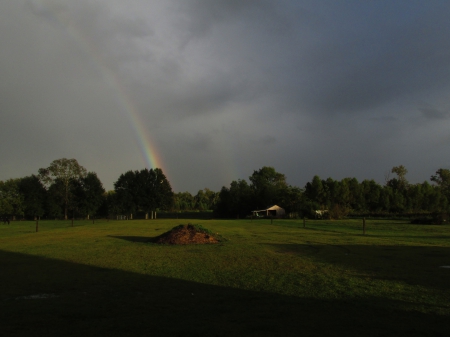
(267, 279)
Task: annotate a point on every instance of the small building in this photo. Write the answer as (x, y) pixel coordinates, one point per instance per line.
(321, 213)
(273, 211)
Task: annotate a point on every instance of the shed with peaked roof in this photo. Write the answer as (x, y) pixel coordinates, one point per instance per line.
(273, 211)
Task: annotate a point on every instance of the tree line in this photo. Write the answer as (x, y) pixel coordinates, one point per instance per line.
(338, 198)
(65, 189)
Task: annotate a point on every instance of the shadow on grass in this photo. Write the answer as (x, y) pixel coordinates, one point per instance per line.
(399, 236)
(46, 297)
(135, 238)
(414, 265)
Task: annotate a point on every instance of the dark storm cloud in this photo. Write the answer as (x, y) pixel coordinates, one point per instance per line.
(334, 88)
(433, 113)
(384, 119)
(379, 60)
(357, 57)
(201, 16)
(46, 9)
(268, 140)
(197, 142)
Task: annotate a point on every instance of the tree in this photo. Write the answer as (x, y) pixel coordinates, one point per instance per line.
(371, 192)
(292, 200)
(184, 201)
(400, 183)
(316, 193)
(356, 196)
(89, 194)
(333, 192)
(268, 186)
(213, 198)
(63, 170)
(442, 180)
(338, 198)
(385, 198)
(205, 199)
(224, 205)
(54, 203)
(400, 171)
(34, 196)
(236, 200)
(397, 201)
(158, 193)
(345, 196)
(111, 205)
(145, 190)
(11, 201)
(125, 188)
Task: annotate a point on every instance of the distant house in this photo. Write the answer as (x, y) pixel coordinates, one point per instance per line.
(274, 211)
(321, 213)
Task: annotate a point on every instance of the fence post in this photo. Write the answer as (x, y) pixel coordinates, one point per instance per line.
(364, 226)
(304, 222)
(37, 226)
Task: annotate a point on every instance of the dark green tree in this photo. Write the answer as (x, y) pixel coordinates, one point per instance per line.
(400, 183)
(145, 190)
(371, 194)
(333, 194)
(356, 196)
(223, 207)
(34, 196)
(205, 199)
(401, 172)
(54, 203)
(385, 199)
(89, 194)
(293, 200)
(184, 201)
(268, 187)
(63, 171)
(11, 200)
(344, 197)
(316, 193)
(156, 191)
(235, 201)
(397, 201)
(126, 192)
(442, 180)
(110, 206)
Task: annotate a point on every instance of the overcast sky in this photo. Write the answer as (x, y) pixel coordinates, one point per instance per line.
(224, 87)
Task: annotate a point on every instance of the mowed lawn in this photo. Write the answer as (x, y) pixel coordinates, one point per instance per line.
(266, 279)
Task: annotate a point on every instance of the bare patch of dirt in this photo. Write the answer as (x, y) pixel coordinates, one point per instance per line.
(185, 235)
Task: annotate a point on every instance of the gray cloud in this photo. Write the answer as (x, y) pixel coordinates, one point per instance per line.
(384, 119)
(433, 113)
(225, 87)
(268, 140)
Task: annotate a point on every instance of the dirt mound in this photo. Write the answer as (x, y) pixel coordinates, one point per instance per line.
(187, 234)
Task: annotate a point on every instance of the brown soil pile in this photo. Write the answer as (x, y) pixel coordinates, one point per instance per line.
(184, 235)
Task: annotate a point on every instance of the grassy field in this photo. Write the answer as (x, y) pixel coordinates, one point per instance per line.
(279, 279)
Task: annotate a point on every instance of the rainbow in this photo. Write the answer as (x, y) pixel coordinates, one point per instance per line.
(147, 148)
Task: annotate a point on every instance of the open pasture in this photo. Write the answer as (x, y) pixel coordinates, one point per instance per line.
(276, 279)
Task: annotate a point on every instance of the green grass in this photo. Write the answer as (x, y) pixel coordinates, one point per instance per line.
(266, 279)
